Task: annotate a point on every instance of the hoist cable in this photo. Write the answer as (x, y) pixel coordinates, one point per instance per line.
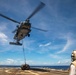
(24, 52)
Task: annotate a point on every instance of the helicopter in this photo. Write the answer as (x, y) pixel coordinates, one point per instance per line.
(24, 28)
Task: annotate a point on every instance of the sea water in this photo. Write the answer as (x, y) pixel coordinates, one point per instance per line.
(53, 67)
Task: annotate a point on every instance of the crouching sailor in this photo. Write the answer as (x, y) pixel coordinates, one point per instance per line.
(73, 64)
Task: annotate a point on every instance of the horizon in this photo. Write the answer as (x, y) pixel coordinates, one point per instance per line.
(32, 65)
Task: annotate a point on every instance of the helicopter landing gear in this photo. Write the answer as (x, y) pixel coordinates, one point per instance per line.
(15, 43)
(25, 67)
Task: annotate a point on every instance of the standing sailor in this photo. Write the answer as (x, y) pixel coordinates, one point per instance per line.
(73, 64)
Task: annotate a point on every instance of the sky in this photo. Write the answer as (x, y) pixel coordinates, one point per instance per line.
(53, 47)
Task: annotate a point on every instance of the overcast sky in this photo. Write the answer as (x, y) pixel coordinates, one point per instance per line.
(53, 47)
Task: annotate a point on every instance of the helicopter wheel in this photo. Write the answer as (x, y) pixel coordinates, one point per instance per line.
(28, 35)
(25, 67)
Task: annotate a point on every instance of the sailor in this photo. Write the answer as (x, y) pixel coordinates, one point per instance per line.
(73, 64)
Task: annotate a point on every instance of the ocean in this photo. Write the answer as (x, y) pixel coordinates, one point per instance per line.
(51, 67)
(54, 67)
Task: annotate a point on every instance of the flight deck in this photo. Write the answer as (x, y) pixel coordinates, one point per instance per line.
(18, 71)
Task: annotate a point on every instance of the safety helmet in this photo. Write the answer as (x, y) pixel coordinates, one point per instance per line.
(73, 56)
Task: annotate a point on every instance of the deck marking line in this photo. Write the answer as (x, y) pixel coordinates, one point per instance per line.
(7, 71)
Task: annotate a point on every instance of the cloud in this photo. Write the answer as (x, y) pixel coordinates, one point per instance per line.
(31, 62)
(49, 47)
(67, 45)
(69, 41)
(45, 45)
(3, 37)
(3, 26)
(10, 61)
(64, 62)
(55, 56)
(59, 62)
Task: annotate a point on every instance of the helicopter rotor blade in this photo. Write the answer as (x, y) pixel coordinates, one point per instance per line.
(40, 29)
(40, 6)
(9, 18)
